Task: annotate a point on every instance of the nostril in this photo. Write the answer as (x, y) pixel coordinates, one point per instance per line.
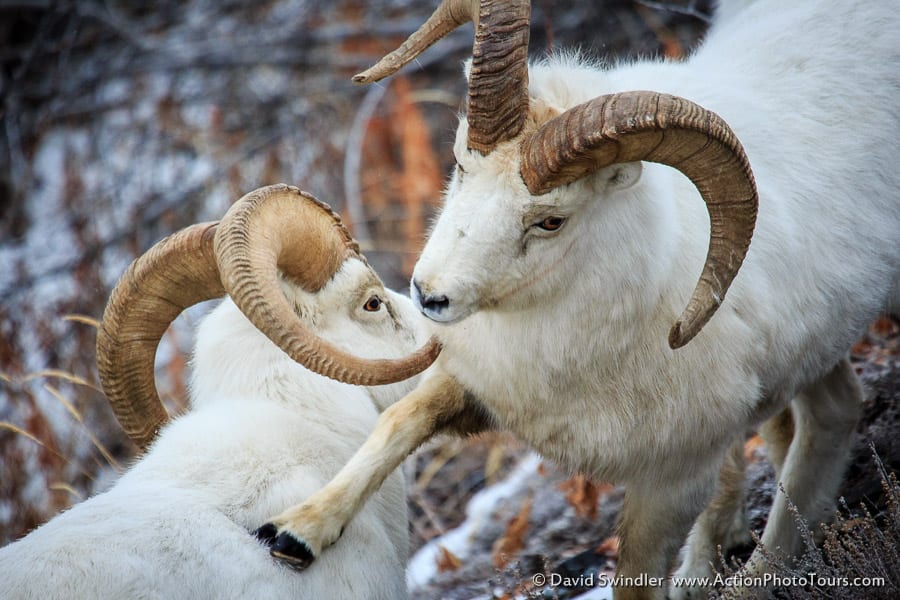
(435, 303)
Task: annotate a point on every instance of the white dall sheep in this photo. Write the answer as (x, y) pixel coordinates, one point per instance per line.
(565, 251)
(262, 431)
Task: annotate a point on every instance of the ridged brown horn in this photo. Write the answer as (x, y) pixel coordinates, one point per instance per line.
(282, 229)
(446, 17)
(498, 81)
(650, 126)
(176, 273)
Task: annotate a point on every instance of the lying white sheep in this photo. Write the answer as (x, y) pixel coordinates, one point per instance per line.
(262, 432)
(564, 253)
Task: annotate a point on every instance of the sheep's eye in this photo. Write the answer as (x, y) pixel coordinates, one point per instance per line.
(551, 223)
(372, 304)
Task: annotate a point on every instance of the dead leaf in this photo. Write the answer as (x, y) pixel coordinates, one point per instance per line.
(884, 326)
(420, 177)
(751, 446)
(583, 494)
(671, 47)
(609, 547)
(861, 348)
(513, 540)
(447, 561)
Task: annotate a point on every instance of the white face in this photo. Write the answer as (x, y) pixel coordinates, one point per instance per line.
(356, 313)
(353, 311)
(495, 246)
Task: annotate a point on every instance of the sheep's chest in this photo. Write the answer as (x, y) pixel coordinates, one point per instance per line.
(573, 408)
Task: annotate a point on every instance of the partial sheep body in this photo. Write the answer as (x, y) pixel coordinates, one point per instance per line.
(578, 323)
(559, 334)
(262, 432)
(592, 307)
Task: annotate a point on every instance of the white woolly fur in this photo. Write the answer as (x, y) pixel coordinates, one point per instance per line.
(261, 434)
(563, 337)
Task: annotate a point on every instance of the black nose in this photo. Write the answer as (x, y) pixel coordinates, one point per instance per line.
(434, 303)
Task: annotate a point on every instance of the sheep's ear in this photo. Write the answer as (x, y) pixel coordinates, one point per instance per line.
(540, 111)
(620, 176)
(305, 304)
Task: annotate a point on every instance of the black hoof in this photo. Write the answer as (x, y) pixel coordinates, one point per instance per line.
(294, 552)
(266, 534)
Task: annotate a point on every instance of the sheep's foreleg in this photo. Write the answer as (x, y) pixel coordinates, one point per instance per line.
(723, 524)
(299, 534)
(655, 519)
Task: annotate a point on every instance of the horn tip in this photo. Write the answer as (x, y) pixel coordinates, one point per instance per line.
(434, 348)
(386, 66)
(677, 335)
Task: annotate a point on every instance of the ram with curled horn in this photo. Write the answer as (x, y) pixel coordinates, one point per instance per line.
(592, 280)
(272, 233)
(262, 431)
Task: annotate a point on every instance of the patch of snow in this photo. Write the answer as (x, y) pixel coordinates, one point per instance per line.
(198, 115)
(422, 566)
(286, 10)
(36, 491)
(268, 83)
(50, 235)
(598, 593)
(33, 353)
(7, 514)
(113, 91)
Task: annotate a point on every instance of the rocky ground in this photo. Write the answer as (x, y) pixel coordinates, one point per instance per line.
(500, 515)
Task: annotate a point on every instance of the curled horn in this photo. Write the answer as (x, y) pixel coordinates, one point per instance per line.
(258, 239)
(498, 80)
(634, 126)
(629, 126)
(271, 228)
(176, 273)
